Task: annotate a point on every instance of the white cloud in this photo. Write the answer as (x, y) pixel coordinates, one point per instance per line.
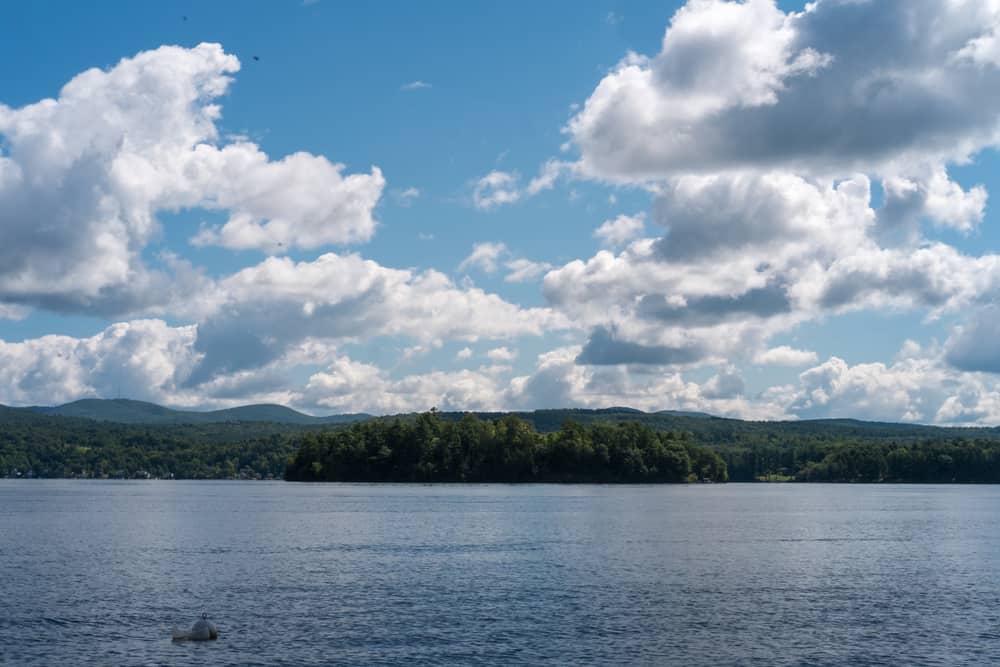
(547, 176)
(12, 312)
(727, 383)
(501, 354)
(487, 258)
(559, 381)
(783, 355)
(149, 360)
(484, 256)
(262, 318)
(406, 197)
(747, 255)
(757, 132)
(352, 386)
(617, 232)
(502, 187)
(744, 85)
(975, 345)
(523, 270)
(83, 176)
(933, 197)
(300, 201)
(143, 359)
(916, 387)
(494, 189)
(254, 316)
(415, 85)
(415, 351)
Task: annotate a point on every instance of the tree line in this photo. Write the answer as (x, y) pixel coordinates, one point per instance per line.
(506, 449)
(557, 445)
(928, 460)
(44, 446)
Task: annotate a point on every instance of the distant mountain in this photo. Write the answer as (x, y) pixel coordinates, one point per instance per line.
(125, 411)
(122, 438)
(686, 413)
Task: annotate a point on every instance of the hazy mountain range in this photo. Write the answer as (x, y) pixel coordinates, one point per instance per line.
(125, 411)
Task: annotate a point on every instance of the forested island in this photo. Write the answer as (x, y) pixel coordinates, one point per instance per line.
(612, 445)
(508, 449)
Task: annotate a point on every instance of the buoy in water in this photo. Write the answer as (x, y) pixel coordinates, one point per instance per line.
(202, 630)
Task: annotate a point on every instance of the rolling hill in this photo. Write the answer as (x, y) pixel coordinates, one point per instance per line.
(92, 438)
(125, 411)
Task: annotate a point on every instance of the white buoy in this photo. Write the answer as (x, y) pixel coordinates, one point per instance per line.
(202, 630)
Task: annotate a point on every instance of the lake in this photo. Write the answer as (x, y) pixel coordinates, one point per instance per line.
(97, 572)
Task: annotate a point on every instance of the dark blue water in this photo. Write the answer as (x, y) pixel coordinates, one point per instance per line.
(95, 573)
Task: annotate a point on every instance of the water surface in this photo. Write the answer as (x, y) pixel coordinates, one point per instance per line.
(95, 573)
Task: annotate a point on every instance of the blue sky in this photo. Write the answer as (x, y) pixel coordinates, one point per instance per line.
(803, 227)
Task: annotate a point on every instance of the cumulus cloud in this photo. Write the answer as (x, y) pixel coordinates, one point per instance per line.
(352, 386)
(496, 188)
(550, 172)
(83, 176)
(415, 85)
(746, 255)
(783, 355)
(488, 256)
(740, 85)
(142, 359)
(301, 201)
(760, 133)
(918, 386)
(620, 230)
(522, 270)
(559, 380)
(150, 360)
(727, 383)
(501, 354)
(256, 314)
(724, 236)
(484, 256)
(975, 345)
(505, 187)
(759, 214)
(604, 347)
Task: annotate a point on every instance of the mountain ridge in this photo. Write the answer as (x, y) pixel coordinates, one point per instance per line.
(128, 411)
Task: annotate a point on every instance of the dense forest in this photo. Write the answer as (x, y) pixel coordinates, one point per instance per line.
(507, 449)
(616, 444)
(867, 460)
(43, 446)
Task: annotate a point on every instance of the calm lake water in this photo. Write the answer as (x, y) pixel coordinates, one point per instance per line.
(97, 572)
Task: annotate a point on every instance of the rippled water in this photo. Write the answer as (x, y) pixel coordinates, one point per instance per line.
(97, 572)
